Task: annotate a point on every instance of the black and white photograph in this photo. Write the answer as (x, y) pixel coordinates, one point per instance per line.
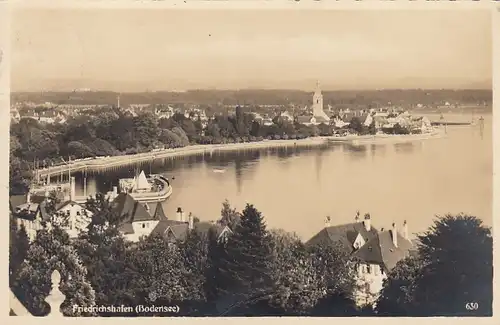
(169, 162)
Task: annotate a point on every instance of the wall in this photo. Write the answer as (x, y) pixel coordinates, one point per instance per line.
(142, 228)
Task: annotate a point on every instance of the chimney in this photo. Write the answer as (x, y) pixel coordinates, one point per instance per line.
(327, 221)
(190, 221)
(180, 214)
(367, 222)
(72, 189)
(405, 230)
(115, 190)
(28, 197)
(394, 234)
(356, 218)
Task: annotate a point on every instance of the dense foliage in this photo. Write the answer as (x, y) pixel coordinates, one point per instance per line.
(452, 275)
(116, 132)
(253, 271)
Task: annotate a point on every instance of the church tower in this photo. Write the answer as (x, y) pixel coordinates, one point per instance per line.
(318, 103)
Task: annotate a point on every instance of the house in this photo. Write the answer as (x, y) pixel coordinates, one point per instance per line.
(138, 219)
(377, 251)
(306, 120)
(178, 229)
(75, 216)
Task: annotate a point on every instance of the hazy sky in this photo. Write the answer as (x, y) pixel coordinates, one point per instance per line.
(135, 50)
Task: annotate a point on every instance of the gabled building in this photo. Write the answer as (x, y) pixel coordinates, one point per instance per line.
(137, 218)
(177, 230)
(377, 251)
(32, 213)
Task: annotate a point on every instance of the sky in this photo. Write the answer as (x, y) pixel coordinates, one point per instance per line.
(173, 49)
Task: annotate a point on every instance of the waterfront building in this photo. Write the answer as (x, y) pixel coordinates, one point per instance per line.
(377, 251)
(139, 219)
(30, 211)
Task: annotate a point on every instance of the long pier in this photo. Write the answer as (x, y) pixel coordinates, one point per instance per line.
(104, 163)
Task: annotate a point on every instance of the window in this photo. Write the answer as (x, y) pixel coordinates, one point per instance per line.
(375, 269)
(143, 225)
(368, 268)
(77, 213)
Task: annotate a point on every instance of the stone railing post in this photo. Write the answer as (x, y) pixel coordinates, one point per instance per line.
(55, 297)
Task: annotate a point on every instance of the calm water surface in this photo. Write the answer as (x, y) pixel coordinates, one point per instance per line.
(296, 189)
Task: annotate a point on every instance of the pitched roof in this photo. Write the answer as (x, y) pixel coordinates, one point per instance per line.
(178, 228)
(204, 227)
(381, 250)
(159, 214)
(343, 234)
(125, 205)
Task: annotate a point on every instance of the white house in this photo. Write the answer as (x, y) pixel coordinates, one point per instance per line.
(378, 251)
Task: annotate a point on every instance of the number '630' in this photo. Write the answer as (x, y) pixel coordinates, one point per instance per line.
(471, 306)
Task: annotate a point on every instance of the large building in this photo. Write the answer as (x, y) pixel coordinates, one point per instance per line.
(318, 115)
(377, 250)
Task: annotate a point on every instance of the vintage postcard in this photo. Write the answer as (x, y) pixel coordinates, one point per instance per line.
(328, 162)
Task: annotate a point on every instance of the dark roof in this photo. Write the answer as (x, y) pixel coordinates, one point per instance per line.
(159, 214)
(178, 228)
(204, 227)
(343, 234)
(381, 250)
(125, 205)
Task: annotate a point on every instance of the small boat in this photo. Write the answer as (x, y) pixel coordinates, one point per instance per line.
(219, 170)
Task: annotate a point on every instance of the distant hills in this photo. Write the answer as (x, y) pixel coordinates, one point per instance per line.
(213, 97)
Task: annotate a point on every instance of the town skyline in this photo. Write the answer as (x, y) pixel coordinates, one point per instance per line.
(344, 50)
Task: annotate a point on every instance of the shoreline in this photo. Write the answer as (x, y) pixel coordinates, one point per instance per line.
(115, 161)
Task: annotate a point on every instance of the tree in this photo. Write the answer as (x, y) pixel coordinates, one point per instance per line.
(396, 297)
(18, 248)
(194, 251)
(159, 273)
(103, 251)
(247, 266)
(336, 275)
(296, 289)
(454, 268)
(229, 216)
(356, 125)
(457, 252)
(52, 250)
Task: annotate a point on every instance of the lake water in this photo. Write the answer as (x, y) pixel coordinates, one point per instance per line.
(296, 189)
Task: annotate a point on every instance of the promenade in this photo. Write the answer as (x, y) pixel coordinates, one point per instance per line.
(100, 163)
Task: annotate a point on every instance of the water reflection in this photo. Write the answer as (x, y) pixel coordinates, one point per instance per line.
(405, 147)
(434, 185)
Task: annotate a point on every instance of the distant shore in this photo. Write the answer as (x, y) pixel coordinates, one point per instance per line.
(115, 161)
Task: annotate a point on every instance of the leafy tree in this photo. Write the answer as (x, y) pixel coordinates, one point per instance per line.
(457, 252)
(52, 250)
(159, 272)
(103, 251)
(296, 289)
(194, 251)
(336, 275)
(396, 297)
(356, 125)
(454, 268)
(18, 248)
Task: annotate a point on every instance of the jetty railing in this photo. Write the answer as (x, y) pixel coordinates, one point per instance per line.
(54, 299)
